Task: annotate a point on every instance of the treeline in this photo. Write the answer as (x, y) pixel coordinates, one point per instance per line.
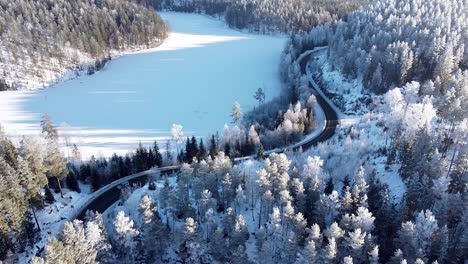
(54, 35)
(99, 172)
(266, 16)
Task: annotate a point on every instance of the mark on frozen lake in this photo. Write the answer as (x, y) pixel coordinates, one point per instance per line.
(113, 92)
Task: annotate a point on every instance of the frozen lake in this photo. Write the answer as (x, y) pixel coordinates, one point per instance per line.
(192, 79)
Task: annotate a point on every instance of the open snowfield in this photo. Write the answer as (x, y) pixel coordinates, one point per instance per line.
(192, 79)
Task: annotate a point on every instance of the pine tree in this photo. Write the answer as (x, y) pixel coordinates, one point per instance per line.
(168, 154)
(49, 197)
(48, 128)
(260, 95)
(355, 243)
(54, 164)
(97, 238)
(72, 182)
(348, 260)
(153, 229)
(76, 244)
(331, 251)
(227, 149)
(140, 159)
(260, 153)
(194, 148)
(8, 150)
(31, 185)
(188, 152)
(189, 234)
(214, 149)
(374, 255)
(309, 254)
(125, 235)
(28, 233)
(201, 151)
(240, 234)
(218, 246)
(55, 252)
(334, 231)
(158, 160)
(236, 113)
(329, 187)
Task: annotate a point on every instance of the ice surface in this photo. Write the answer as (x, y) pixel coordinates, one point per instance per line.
(192, 79)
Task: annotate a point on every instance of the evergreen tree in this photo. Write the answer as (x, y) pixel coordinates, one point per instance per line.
(8, 150)
(49, 197)
(227, 149)
(188, 152)
(76, 244)
(72, 182)
(97, 238)
(260, 95)
(125, 235)
(168, 154)
(153, 229)
(329, 187)
(202, 153)
(236, 113)
(54, 164)
(260, 153)
(140, 159)
(213, 147)
(158, 160)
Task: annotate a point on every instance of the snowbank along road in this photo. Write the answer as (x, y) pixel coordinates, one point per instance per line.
(109, 194)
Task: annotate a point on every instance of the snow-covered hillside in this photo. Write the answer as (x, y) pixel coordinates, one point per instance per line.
(191, 79)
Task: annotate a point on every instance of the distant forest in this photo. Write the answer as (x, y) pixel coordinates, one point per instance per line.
(43, 36)
(265, 16)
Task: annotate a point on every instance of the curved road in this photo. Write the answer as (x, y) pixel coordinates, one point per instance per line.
(109, 194)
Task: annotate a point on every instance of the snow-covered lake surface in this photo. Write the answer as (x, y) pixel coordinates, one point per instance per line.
(192, 79)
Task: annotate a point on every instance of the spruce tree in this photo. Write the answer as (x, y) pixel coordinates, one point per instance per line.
(260, 153)
(49, 197)
(227, 150)
(214, 149)
(158, 160)
(8, 151)
(201, 151)
(188, 152)
(168, 154)
(194, 148)
(54, 162)
(329, 187)
(72, 182)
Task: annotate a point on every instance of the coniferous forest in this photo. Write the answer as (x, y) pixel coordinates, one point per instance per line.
(43, 38)
(390, 185)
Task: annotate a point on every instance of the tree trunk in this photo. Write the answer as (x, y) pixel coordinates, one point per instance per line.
(35, 218)
(451, 161)
(41, 197)
(60, 186)
(260, 214)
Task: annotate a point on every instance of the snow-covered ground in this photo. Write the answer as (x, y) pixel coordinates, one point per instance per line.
(360, 135)
(192, 79)
(53, 216)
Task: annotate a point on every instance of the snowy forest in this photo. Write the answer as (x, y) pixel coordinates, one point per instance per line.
(266, 16)
(42, 39)
(389, 187)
